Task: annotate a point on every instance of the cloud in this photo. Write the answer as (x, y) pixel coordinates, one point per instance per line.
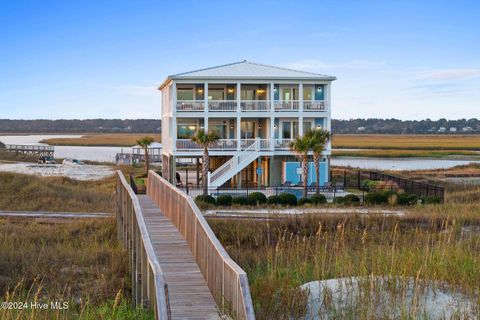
(449, 74)
(134, 90)
(314, 65)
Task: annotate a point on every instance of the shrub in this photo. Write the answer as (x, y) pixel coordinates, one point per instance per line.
(303, 201)
(242, 201)
(273, 200)
(287, 199)
(430, 200)
(391, 196)
(376, 198)
(224, 200)
(256, 198)
(405, 199)
(204, 199)
(318, 199)
(339, 200)
(352, 199)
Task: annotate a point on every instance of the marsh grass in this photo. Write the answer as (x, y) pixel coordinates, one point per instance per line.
(406, 142)
(281, 255)
(395, 153)
(78, 262)
(32, 193)
(14, 157)
(110, 139)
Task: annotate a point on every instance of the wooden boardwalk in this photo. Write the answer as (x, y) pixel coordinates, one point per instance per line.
(188, 293)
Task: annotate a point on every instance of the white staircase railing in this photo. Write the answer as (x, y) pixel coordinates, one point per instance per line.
(239, 161)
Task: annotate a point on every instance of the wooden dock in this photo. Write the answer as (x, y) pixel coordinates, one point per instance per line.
(31, 149)
(179, 268)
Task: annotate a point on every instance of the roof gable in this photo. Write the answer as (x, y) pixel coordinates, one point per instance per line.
(249, 70)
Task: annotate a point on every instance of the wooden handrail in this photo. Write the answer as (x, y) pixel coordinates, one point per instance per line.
(227, 282)
(149, 287)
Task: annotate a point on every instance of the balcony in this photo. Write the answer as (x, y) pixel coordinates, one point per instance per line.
(314, 106)
(222, 105)
(249, 106)
(190, 105)
(292, 105)
(231, 145)
(255, 105)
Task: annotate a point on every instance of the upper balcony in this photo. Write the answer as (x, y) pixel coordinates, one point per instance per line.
(252, 98)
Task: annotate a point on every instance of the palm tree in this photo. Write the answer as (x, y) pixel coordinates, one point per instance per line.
(205, 140)
(300, 146)
(318, 140)
(145, 142)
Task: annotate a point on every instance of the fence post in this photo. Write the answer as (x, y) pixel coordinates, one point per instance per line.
(358, 179)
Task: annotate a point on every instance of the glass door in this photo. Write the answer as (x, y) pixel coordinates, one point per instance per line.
(248, 129)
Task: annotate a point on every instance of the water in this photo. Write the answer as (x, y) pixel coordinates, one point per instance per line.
(103, 154)
(398, 163)
(107, 154)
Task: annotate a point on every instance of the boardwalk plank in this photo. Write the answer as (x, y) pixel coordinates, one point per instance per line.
(189, 295)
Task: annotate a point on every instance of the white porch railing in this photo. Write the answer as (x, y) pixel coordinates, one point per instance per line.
(222, 144)
(222, 105)
(255, 105)
(190, 106)
(231, 144)
(292, 105)
(282, 144)
(314, 106)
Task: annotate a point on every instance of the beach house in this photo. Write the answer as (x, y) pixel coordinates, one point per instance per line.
(257, 110)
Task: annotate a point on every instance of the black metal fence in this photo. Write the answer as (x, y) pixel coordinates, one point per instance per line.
(420, 189)
(329, 192)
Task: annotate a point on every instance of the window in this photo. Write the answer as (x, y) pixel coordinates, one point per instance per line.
(289, 94)
(184, 94)
(216, 94)
(290, 129)
(186, 130)
(307, 93)
(307, 125)
(248, 129)
(221, 128)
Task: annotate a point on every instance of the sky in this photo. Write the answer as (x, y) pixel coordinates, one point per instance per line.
(105, 59)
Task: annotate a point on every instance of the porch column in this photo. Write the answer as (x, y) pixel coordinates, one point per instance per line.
(272, 97)
(239, 97)
(239, 140)
(300, 126)
(205, 110)
(272, 133)
(300, 97)
(173, 129)
(328, 119)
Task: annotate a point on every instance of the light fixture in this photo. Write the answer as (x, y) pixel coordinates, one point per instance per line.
(200, 90)
(192, 127)
(259, 126)
(230, 90)
(275, 89)
(274, 126)
(201, 126)
(319, 88)
(260, 91)
(319, 126)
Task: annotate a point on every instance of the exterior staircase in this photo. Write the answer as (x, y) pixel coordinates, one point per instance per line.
(233, 166)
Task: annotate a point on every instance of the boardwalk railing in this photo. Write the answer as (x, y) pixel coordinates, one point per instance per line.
(149, 288)
(227, 282)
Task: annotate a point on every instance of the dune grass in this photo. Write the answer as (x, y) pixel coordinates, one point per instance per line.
(17, 157)
(80, 263)
(32, 193)
(407, 142)
(432, 244)
(110, 139)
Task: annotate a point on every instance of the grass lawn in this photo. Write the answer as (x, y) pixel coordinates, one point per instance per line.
(110, 139)
(401, 153)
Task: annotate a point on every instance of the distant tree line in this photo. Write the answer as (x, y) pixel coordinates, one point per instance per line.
(352, 126)
(80, 126)
(395, 126)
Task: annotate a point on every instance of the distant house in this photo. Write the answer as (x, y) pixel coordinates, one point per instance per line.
(453, 129)
(442, 129)
(361, 129)
(467, 129)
